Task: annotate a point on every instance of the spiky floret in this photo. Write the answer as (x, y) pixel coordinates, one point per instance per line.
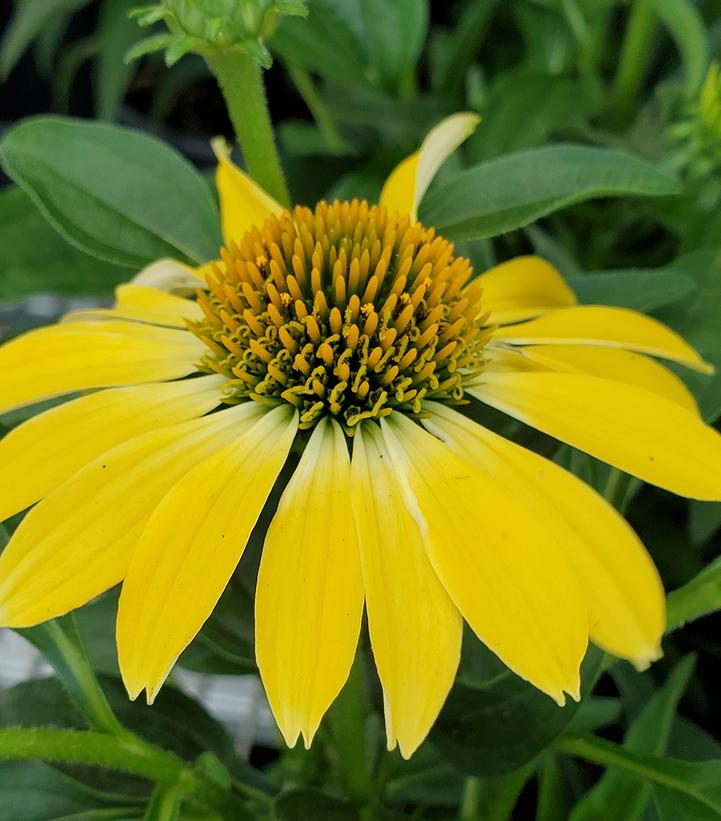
(346, 310)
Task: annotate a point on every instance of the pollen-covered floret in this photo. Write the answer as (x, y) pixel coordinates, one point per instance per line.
(346, 310)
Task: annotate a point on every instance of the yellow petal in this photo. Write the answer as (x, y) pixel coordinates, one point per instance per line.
(415, 629)
(409, 181)
(144, 304)
(499, 564)
(522, 288)
(309, 597)
(243, 203)
(623, 591)
(628, 427)
(39, 455)
(169, 275)
(614, 363)
(78, 541)
(191, 546)
(612, 327)
(79, 355)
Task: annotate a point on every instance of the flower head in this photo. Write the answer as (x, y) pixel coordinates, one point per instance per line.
(214, 27)
(355, 333)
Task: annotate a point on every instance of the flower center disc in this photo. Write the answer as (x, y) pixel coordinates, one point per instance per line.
(346, 310)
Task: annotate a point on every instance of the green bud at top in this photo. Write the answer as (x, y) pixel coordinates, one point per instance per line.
(697, 133)
(214, 27)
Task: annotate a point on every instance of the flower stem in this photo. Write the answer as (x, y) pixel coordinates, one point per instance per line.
(347, 720)
(88, 747)
(471, 800)
(241, 80)
(633, 62)
(128, 754)
(73, 666)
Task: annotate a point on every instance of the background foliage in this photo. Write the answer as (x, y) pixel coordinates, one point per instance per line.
(600, 150)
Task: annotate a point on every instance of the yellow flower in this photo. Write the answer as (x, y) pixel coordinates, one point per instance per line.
(354, 332)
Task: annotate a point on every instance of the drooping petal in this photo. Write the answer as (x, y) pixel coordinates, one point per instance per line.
(309, 596)
(77, 542)
(498, 562)
(75, 356)
(40, 454)
(607, 363)
(415, 628)
(191, 546)
(409, 180)
(243, 203)
(521, 288)
(623, 591)
(599, 325)
(143, 304)
(626, 426)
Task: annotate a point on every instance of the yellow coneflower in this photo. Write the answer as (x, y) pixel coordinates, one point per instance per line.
(355, 332)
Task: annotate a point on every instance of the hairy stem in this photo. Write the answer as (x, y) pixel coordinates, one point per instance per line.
(241, 81)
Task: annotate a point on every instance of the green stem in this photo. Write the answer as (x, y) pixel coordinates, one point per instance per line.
(632, 64)
(128, 754)
(241, 80)
(672, 773)
(82, 747)
(79, 676)
(470, 808)
(347, 720)
(306, 87)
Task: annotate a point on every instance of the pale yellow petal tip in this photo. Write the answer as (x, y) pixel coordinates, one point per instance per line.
(407, 748)
(559, 694)
(472, 120)
(151, 693)
(221, 149)
(133, 690)
(645, 660)
(706, 367)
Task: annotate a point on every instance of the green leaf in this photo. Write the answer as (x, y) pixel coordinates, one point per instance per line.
(686, 26)
(499, 795)
(35, 258)
(303, 804)
(225, 644)
(617, 794)
(701, 596)
(553, 799)
(325, 43)
(34, 791)
(116, 34)
(682, 789)
(462, 45)
(27, 24)
(512, 191)
(524, 108)
(493, 728)
(548, 37)
(396, 33)
(638, 289)
(704, 520)
(118, 195)
(698, 320)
